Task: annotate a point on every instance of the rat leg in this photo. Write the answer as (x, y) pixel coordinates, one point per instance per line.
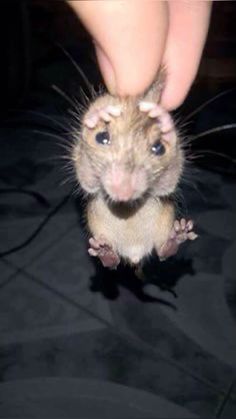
(105, 113)
(181, 231)
(165, 121)
(103, 250)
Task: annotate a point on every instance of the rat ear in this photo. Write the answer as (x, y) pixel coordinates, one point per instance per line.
(153, 94)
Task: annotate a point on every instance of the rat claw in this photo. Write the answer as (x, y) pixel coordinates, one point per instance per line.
(189, 225)
(104, 115)
(176, 226)
(114, 110)
(91, 121)
(154, 110)
(146, 106)
(163, 117)
(183, 223)
(181, 231)
(92, 252)
(104, 251)
(94, 243)
(192, 235)
(157, 112)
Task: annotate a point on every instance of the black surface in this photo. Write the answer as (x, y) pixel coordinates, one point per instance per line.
(77, 341)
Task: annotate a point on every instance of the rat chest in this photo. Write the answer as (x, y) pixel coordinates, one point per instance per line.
(131, 235)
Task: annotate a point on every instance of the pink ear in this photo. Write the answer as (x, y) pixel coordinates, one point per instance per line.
(153, 94)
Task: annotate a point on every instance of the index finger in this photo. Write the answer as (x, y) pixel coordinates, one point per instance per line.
(129, 39)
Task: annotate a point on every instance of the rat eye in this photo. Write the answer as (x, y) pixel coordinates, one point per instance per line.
(103, 137)
(158, 149)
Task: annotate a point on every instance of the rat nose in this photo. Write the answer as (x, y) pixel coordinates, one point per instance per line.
(124, 185)
(121, 184)
(122, 192)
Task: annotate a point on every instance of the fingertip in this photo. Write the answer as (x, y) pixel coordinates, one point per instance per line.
(177, 88)
(131, 53)
(129, 39)
(188, 29)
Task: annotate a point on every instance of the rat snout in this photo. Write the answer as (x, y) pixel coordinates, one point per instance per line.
(123, 185)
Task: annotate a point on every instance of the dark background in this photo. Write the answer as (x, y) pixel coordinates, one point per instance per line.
(77, 340)
(30, 31)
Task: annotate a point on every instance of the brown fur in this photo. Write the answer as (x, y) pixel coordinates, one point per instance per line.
(137, 227)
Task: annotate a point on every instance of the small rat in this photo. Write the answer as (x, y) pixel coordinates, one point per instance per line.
(128, 159)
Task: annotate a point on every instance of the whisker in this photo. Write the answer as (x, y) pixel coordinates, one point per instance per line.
(180, 201)
(213, 153)
(73, 103)
(77, 67)
(212, 130)
(193, 185)
(79, 111)
(199, 108)
(49, 134)
(86, 100)
(50, 118)
(69, 179)
(56, 159)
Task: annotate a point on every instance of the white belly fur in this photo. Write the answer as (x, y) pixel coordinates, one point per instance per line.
(131, 238)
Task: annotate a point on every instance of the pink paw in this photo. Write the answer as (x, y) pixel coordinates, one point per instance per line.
(163, 117)
(182, 230)
(105, 114)
(101, 249)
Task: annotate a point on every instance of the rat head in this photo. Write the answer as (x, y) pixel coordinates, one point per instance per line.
(127, 157)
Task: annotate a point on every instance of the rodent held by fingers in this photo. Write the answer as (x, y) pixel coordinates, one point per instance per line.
(129, 160)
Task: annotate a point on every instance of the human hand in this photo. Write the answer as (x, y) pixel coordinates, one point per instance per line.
(134, 38)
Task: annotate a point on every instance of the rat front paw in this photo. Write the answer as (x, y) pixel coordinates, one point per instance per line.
(105, 114)
(182, 230)
(103, 250)
(163, 117)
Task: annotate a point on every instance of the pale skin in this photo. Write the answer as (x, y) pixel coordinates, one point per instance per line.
(134, 38)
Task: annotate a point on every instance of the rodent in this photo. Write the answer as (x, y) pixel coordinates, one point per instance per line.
(128, 159)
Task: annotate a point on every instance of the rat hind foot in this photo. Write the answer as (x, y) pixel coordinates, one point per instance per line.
(105, 114)
(182, 230)
(101, 249)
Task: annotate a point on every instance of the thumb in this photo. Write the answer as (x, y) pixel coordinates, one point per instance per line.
(129, 39)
